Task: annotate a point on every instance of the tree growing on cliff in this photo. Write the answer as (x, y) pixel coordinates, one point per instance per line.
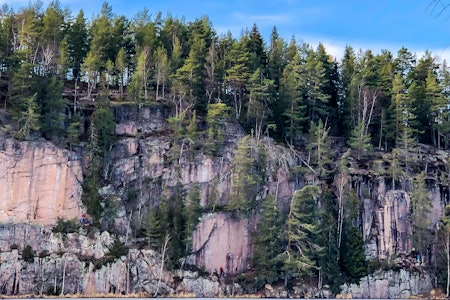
(267, 245)
(420, 207)
(192, 212)
(302, 234)
(244, 178)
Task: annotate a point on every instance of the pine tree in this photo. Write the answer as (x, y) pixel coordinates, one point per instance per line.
(192, 213)
(420, 207)
(244, 178)
(24, 102)
(438, 102)
(152, 228)
(319, 149)
(318, 99)
(77, 39)
(52, 108)
(267, 245)
(360, 141)
(352, 258)
(292, 89)
(259, 102)
(302, 233)
(237, 74)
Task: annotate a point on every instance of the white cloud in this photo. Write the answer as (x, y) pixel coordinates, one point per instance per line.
(336, 48)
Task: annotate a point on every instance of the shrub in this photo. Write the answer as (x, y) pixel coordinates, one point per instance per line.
(43, 253)
(118, 249)
(28, 254)
(66, 226)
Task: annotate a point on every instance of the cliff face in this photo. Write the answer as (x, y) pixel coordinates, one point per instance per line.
(43, 182)
(72, 263)
(39, 181)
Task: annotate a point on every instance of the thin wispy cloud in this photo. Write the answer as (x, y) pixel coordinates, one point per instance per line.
(263, 19)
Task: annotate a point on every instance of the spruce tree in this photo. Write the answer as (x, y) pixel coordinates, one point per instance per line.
(267, 244)
(420, 208)
(244, 179)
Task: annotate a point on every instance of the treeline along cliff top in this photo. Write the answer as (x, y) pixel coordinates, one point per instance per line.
(304, 140)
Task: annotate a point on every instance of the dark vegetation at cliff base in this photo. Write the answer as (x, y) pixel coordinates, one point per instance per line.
(64, 78)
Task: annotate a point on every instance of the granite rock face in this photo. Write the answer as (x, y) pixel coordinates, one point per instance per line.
(390, 285)
(40, 182)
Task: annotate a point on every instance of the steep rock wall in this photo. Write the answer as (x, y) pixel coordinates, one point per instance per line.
(222, 242)
(390, 285)
(72, 264)
(40, 182)
(386, 215)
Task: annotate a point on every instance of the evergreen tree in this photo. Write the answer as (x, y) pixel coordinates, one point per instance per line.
(353, 259)
(438, 102)
(292, 89)
(192, 213)
(23, 97)
(267, 245)
(319, 149)
(420, 208)
(152, 228)
(259, 102)
(52, 108)
(318, 99)
(237, 74)
(244, 179)
(302, 233)
(77, 40)
(360, 141)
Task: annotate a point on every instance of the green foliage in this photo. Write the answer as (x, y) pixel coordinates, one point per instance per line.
(352, 258)
(28, 254)
(103, 128)
(66, 226)
(420, 208)
(91, 197)
(360, 141)
(152, 228)
(244, 179)
(267, 244)
(192, 213)
(302, 233)
(319, 149)
(216, 113)
(117, 249)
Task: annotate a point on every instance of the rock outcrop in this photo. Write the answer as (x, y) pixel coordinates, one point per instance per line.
(40, 182)
(76, 263)
(390, 285)
(221, 242)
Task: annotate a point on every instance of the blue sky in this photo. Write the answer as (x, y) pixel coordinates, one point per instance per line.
(363, 24)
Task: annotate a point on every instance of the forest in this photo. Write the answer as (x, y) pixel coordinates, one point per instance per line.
(55, 66)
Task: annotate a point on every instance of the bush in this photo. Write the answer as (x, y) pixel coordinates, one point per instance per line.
(43, 254)
(28, 254)
(118, 249)
(66, 226)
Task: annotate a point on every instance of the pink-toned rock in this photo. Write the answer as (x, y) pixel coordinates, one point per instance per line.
(221, 241)
(126, 129)
(40, 183)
